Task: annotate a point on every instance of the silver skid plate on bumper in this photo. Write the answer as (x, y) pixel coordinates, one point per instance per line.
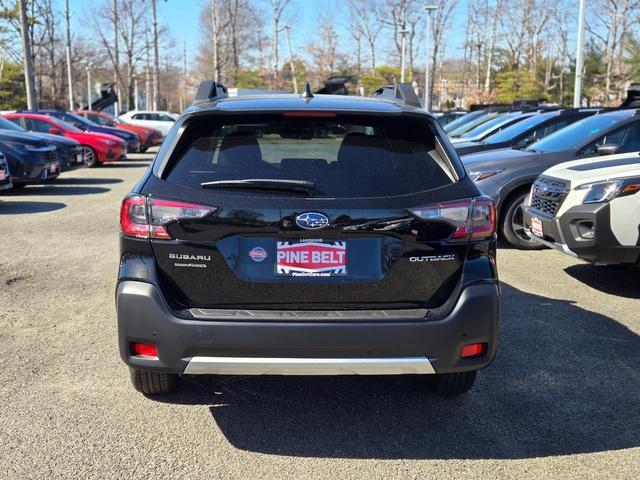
(308, 366)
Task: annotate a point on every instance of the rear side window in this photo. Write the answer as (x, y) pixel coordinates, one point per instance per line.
(345, 158)
(37, 125)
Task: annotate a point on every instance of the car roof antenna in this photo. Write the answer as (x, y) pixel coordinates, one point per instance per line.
(306, 93)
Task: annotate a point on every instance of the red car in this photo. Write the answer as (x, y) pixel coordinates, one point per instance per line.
(98, 147)
(149, 137)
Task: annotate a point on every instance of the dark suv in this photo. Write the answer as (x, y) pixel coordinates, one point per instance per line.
(307, 235)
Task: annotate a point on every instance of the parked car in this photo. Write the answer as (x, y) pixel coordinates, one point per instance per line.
(468, 126)
(68, 152)
(98, 147)
(506, 175)
(31, 159)
(492, 126)
(307, 235)
(162, 121)
(132, 140)
(469, 117)
(525, 132)
(5, 175)
(589, 209)
(149, 137)
(444, 118)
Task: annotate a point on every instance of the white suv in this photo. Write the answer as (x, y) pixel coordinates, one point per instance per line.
(162, 121)
(589, 209)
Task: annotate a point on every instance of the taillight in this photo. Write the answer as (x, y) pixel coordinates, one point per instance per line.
(473, 218)
(133, 216)
(147, 217)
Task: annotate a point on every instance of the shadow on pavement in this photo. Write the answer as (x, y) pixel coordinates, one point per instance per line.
(126, 164)
(87, 181)
(13, 208)
(618, 280)
(58, 190)
(566, 381)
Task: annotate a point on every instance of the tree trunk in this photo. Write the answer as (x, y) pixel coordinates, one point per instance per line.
(492, 42)
(214, 35)
(29, 77)
(156, 58)
(116, 55)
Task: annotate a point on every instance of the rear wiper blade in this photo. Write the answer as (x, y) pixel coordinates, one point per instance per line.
(305, 186)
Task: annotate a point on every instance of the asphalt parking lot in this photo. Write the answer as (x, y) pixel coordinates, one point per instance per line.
(560, 401)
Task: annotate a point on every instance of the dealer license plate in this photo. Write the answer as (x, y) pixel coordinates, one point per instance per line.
(536, 227)
(311, 258)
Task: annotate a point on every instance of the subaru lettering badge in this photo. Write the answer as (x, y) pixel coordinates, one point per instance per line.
(312, 221)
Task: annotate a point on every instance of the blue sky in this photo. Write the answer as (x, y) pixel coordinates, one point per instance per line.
(182, 17)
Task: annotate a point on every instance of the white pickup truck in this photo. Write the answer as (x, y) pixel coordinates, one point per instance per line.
(589, 209)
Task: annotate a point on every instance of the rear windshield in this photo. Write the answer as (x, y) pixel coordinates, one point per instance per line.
(344, 158)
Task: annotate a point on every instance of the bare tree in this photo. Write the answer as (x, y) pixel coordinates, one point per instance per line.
(441, 23)
(323, 49)
(231, 32)
(131, 34)
(367, 22)
(277, 9)
(610, 23)
(497, 11)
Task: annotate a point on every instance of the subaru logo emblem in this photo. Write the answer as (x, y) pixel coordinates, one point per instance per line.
(312, 221)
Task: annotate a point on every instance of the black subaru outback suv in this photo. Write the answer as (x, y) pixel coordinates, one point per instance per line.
(307, 235)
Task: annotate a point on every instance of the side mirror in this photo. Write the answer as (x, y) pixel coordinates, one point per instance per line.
(525, 142)
(55, 131)
(607, 149)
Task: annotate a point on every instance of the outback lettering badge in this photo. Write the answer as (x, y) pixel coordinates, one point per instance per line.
(433, 258)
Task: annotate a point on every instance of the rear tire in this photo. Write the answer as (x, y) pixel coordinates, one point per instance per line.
(153, 383)
(449, 384)
(513, 223)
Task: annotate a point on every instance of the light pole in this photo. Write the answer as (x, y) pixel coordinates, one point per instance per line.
(135, 92)
(577, 93)
(88, 69)
(68, 52)
(427, 74)
(402, 32)
(563, 72)
(287, 29)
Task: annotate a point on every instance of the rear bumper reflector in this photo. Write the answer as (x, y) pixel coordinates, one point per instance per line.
(308, 366)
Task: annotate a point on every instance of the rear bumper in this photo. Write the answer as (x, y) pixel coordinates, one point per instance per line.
(288, 347)
(567, 234)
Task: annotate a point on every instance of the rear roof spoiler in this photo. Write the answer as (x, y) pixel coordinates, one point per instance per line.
(400, 92)
(209, 91)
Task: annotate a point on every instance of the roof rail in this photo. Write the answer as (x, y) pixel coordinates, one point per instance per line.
(209, 91)
(400, 92)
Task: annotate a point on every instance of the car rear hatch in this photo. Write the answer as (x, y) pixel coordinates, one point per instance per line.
(316, 213)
